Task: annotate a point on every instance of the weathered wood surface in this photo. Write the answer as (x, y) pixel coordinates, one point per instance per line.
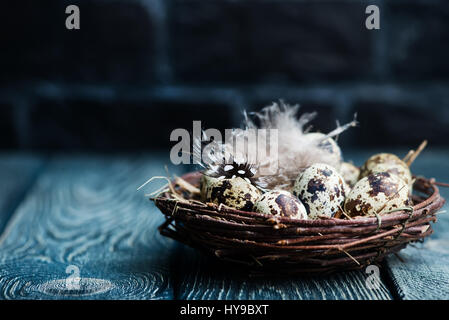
(85, 212)
(203, 279)
(17, 173)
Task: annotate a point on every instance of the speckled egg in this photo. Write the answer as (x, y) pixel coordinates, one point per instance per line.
(236, 193)
(321, 189)
(350, 173)
(387, 158)
(377, 193)
(205, 183)
(279, 202)
(401, 171)
(327, 144)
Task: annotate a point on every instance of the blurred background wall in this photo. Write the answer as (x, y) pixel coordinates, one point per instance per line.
(137, 69)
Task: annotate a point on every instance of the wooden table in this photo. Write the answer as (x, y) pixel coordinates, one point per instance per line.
(64, 215)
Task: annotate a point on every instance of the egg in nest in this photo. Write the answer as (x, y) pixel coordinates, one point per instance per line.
(321, 189)
(280, 202)
(205, 183)
(235, 192)
(380, 158)
(399, 170)
(378, 193)
(350, 173)
(326, 143)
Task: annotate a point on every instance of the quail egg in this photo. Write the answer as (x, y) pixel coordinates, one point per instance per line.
(401, 171)
(280, 202)
(387, 158)
(205, 183)
(350, 173)
(321, 189)
(235, 192)
(326, 143)
(377, 193)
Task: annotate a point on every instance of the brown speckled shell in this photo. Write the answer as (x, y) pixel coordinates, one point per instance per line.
(236, 193)
(282, 203)
(399, 170)
(377, 193)
(205, 183)
(321, 189)
(376, 159)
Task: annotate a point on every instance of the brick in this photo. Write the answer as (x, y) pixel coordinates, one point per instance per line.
(114, 44)
(253, 41)
(417, 39)
(207, 42)
(119, 124)
(310, 40)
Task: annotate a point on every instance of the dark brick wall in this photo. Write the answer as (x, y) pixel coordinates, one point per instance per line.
(114, 44)
(278, 41)
(116, 124)
(418, 42)
(139, 68)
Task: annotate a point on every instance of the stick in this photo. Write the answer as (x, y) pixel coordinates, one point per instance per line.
(186, 186)
(409, 154)
(416, 153)
(442, 184)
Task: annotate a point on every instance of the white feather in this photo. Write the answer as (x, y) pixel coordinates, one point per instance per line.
(295, 150)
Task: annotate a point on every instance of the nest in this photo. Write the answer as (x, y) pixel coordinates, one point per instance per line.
(269, 244)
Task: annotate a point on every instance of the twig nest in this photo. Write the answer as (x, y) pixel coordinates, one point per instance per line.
(321, 189)
(326, 143)
(235, 192)
(380, 158)
(350, 173)
(377, 193)
(280, 202)
(205, 183)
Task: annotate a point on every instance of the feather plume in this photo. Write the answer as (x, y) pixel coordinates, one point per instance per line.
(277, 168)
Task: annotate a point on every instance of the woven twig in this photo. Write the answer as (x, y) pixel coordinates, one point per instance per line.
(283, 245)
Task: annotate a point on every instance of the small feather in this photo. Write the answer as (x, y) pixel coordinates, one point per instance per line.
(295, 150)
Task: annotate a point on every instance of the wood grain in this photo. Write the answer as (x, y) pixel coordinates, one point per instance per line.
(204, 278)
(17, 173)
(85, 211)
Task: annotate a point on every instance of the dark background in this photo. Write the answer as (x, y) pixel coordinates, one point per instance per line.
(137, 69)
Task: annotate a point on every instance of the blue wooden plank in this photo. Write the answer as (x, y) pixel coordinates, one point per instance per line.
(203, 279)
(84, 213)
(17, 173)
